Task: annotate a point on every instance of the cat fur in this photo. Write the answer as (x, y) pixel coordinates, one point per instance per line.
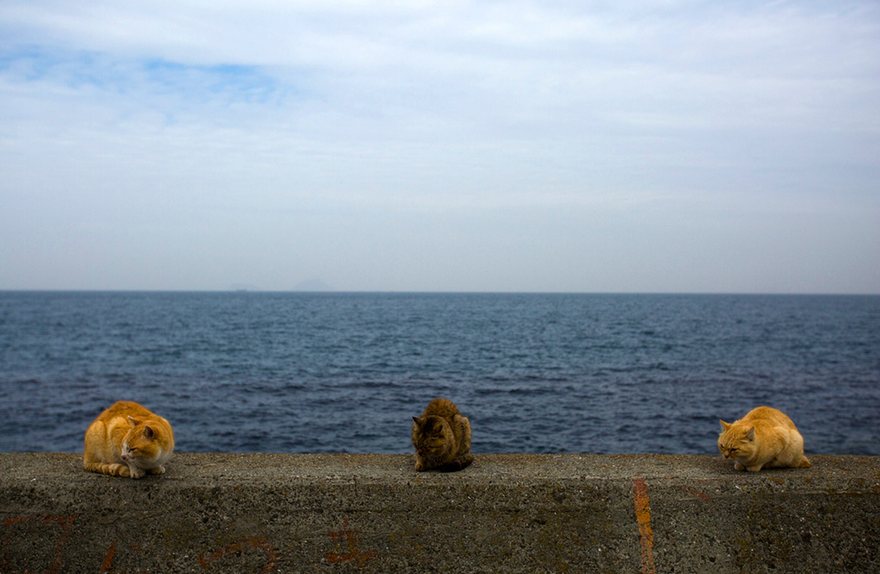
(764, 438)
(442, 437)
(128, 440)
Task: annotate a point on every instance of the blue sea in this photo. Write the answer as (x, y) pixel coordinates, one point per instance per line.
(345, 372)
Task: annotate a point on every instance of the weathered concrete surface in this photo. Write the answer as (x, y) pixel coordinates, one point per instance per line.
(506, 513)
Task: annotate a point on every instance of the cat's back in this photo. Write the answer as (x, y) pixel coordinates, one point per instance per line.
(125, 409)
(441, 407)
(117, 418)
(769, 417)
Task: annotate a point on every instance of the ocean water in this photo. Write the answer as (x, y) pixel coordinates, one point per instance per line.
(345, 372)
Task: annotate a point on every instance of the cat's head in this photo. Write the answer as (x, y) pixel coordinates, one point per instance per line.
(737, 441)
(432, 435)
(143, 444)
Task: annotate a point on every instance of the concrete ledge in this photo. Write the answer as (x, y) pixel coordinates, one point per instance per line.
(506, 513)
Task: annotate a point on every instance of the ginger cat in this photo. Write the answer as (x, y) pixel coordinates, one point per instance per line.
(764, 438)
(442, 437)
(128, 440)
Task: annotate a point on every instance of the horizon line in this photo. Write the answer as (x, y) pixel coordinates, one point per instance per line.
(442, 292)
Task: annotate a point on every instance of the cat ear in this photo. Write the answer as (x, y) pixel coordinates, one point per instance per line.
(724, 425)
(418, 421)
(751, 434)
(134, 422)
(149, 432)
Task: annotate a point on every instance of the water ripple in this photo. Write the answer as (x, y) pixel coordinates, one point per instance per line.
(345, 372)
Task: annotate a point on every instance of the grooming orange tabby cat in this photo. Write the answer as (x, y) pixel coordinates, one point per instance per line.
(128, 440)
(442, 437)
(764, 438)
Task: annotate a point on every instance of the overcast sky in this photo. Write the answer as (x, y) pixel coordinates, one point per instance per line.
(658, 146)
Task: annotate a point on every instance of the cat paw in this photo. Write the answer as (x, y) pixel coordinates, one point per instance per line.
(754, 468)
(738, 466)
(419, 466)
(465, 460)
(157, 470)
(135, 472)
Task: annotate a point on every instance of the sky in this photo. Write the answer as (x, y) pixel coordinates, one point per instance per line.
(657, 146)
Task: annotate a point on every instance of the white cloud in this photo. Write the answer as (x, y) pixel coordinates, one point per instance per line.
(153, 113)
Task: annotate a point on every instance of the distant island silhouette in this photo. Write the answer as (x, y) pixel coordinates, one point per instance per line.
(309, 285)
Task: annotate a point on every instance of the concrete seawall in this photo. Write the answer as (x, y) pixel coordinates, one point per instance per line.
(218, 513)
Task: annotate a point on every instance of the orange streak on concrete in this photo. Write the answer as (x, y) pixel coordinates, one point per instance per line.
(255, 542)
(699, 494)
(643, 518)
(65, 522)
(108, 559)
(354, 554)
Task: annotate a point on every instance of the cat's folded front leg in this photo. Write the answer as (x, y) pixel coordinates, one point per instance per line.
(754, 468)
(136, 472)
(738, 466)
(464, 460)
(157, 470)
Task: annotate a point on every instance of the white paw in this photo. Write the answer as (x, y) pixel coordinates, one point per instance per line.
(136, 472)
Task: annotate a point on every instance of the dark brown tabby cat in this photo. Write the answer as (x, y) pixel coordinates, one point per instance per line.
(442, 437)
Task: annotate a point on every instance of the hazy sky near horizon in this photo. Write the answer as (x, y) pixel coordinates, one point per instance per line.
(662, 146)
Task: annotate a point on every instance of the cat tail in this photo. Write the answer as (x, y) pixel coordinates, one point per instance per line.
(458, 463)
(464, 432)
(804, 463)
(107, 468)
